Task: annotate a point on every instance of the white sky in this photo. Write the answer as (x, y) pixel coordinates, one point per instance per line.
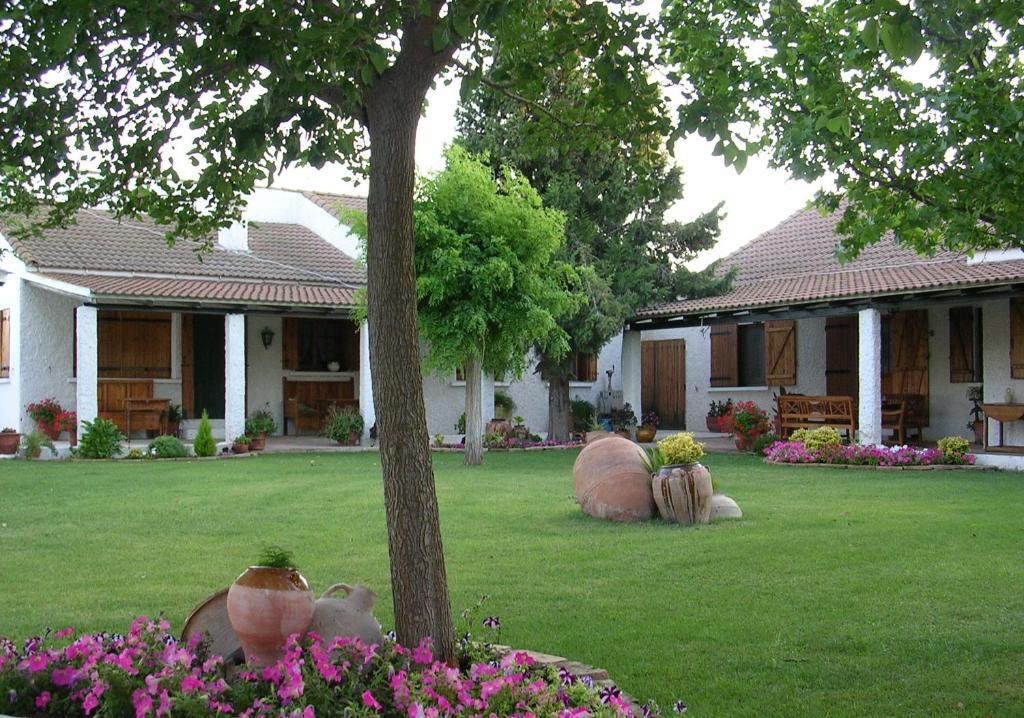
(755, 201)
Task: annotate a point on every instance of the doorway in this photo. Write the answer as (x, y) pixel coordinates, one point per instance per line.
(663, 381)
(208, 364)
(842, 357)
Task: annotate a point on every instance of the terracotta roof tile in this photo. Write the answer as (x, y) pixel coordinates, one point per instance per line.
(333, 202)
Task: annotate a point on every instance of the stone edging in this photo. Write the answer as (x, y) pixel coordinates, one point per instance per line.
(933, 467)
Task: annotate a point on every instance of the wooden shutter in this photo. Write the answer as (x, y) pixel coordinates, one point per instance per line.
(1017, 338)
(908, 356)
(5, 343)
(780, 353)
(961, 345)
(134, 345)
(841, 357)
(648, 376)
(289, 343)
(724, 369)
(588, 367)
(187, 366)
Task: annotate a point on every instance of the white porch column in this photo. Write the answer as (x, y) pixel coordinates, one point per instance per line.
(87, 372)
(631, 371)
(366, 407)
(486, 399)
(870, 349)
(234, 375)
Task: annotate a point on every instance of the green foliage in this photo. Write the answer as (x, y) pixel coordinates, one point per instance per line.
(653, 459)
(32, 444)
(460, 425)
(583, 415)
(954, 448)
(259, 422)
(167, 447)
(836, 89)
(816, 439)
(174, 414)
(135, 454)
(763, 442)
(203, 444)
(504, 402)
(680, 448)
(274, 556)
(487, 284)
(101, 439)
(342, 423)
(242, 440)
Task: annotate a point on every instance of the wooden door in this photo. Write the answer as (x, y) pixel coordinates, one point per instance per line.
(842, 357)
(188, 405)
(906, 371)
(663, 381)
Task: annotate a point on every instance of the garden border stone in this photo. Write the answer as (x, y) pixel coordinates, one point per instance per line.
(932, 467)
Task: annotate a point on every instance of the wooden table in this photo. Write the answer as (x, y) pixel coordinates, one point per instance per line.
(148, 414)
(1001, 413)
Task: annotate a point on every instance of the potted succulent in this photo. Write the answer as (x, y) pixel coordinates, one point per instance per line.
(173, 417)
(45, 414)
(623, 421)
(257, 426)
(241, 444)
(68, 421)
(344, 425)
(682, 487)
(749, 421)
(10, 440)
(976, 395)
(648, 428)
(268, 603)
(719, 417)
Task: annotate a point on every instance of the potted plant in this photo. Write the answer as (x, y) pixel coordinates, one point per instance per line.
(68, 421)
(344, 425)
(519, 429)
(503, 405)
(713, 419)
(648, 428)
(257, 426)
(268, 603)
(623, 421)
(749, 421)
(173, 417)
(45, 414)
(976, 395)
(241, 444)
(32, 447)
(10, 440)
(682, 487)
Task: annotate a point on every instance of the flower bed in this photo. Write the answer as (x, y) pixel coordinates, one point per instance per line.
(510, 443)
(795, 452)
(149, 673)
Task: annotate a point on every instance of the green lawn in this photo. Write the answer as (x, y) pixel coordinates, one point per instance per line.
(841, 593)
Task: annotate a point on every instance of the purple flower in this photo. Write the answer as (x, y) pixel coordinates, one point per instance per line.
(679, 707)
(12, 696)
(566, 676)
(587, 681)
(492, 622)
(607, 693)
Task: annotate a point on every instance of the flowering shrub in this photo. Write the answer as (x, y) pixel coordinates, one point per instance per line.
(46, 413)
(795, 452)
(749, 420)
(149, 673)
(954, 449)
(815, 439)
(680, 448)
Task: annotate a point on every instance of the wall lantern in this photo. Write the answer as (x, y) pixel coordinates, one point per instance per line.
(267, 335)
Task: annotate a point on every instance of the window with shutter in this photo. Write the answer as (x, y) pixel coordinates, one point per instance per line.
(724, 370)
(133, 345)
(584, 366)
(5, 344)
(320, 344)
(780, 353)
(965, 362)
(1017, 338)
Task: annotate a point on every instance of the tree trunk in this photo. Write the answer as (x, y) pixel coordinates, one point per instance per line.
(418, 581)
(559, 414)
(474, 413)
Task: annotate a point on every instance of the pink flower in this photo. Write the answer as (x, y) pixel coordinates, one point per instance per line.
(142, 701)
(43, 699)
(64, 632)
(191, 684)
(37, 662)
(422, 654)
(370, 702)
(90, 703)
(165, 704)
(308, 712)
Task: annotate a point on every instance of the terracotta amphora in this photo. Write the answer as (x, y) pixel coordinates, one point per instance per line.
(265, 606)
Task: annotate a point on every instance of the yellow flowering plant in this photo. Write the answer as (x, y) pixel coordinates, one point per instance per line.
(680, 448)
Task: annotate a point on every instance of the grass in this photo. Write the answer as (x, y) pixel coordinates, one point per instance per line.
(841, 593)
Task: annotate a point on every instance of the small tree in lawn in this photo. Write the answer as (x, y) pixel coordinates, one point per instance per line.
(203, 444)
(487, 285)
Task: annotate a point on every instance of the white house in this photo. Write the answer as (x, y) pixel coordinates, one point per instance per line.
(889, 323)
(104, 310)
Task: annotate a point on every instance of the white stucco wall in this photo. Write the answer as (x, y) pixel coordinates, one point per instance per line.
(996, 325)
(45, 354)
(10, 389)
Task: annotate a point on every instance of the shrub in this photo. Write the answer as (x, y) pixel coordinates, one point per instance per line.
(204, 445)
(342, 423)
(583, 415)
(954, 449)
(32, 444)
(460, 425)
(100, 440)
(274, 556)
(504, 402)
(167, 447)
(749, 420)
(680, 448)
(816, 439)
(763, 442)
(136, 453)
(45, 413)
(260, 422)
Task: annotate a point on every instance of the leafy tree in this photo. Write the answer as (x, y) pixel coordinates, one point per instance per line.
(203, 444)
(487, 283)
(614, 191)
(914, 108)
(95, 96)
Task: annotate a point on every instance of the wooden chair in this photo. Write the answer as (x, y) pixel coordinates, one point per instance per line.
(308, 402)
(901, 412)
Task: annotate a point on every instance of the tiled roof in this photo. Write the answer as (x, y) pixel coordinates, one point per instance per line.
(795, 263)
(213, 290)
(333, 202)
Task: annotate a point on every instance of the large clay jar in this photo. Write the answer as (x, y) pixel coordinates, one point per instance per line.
(683, 493)
(265, 606)
(350, 616)
(612, 482)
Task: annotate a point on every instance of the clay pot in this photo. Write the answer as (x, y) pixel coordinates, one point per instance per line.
(725, 424)
(745, 443)
(979, 432)
(713, 423)
(350, 616)
(591, 436)
(612, 482)
(50, 430)
(265, 606)
(497, 426)
(9, 443)
(239, 448)
(258, 442)
(645, 434)
(683, 493)
(624, 433)
(352, 440)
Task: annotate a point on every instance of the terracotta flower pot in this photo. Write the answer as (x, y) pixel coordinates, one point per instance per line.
(258, 442)
(725, 424)
(265, 606)
(352, 440)
(713, 423)
(683, 493)
(9, 443)
(745, 443)
(50, 430)
(645, 434)
(239, 448)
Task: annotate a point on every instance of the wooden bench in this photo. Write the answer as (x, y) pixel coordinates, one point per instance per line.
(129, 403)
(813, 412)
(307, 402)
(901, 412)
